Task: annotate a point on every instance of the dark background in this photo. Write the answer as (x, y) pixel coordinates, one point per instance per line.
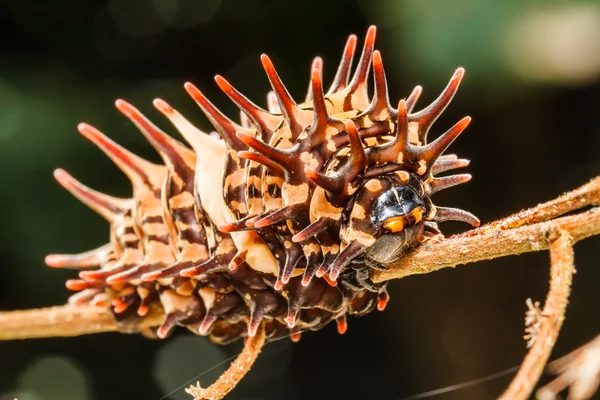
(532, 87)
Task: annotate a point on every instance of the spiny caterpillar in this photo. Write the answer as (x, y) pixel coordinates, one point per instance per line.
(279, 219)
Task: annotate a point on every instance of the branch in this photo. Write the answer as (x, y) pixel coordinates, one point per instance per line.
(234, 374)
(553, 315)
(510, 236)
(67, 320)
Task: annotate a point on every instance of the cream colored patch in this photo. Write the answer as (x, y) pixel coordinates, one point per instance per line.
(373, 185)
(413, 133)
(403, 175)
(295, 194)
(158, 253)
(287, 244)
(333, 249)
(182, 200)
(185, 289)
(171, 301)
(422, 167)
(331, 146)
(400, 157)
(155, 228)
(194, 252)
(358, 212)
(321, 207)
(311, 248)
(308, 159)
(208, 297)
(237, 206)
(236, 178)
(225, 247)
(359, 236)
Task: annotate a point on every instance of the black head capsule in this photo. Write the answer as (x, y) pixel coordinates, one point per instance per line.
(398, 213)
(398, 208)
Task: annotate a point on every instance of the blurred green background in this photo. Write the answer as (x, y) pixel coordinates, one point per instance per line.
(532, 87)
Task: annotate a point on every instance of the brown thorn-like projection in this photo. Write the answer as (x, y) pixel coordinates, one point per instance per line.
(224, 126)
(359, 79)
(340, 81)
(430, 114)
(288, 106)
(265, 122)
(317, 63)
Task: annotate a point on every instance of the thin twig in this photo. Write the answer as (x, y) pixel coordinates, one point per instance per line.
(67, 320)
(236, 371)
(578, 370)
(561, 273)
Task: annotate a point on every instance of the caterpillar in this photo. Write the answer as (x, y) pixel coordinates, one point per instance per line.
(278, 219)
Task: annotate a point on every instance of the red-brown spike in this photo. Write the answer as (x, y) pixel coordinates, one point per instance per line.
(288, 106)
(92, 258)
(237, 260)
(284, 213)
(432, 151)
(292, 315)
(382, 300)
(167, 326)
(295, 335)
(133, 273)
(239, 225)
(138, 170)
(446, 182)
(413, 98)
(442, 165)
(102, 274)
(105, 205)
(317, 63)
(430, 114)
(259, 158)
(342, 324)
(209, 319)
(350, 252)
(263, 120)
(340, 81)
(224, 126)
(318, 226)
(206, 267)
(321, 117)
(83, 296)
(276, 155)
(78, 284)
(256, 317)
(170, 271)
(380, 101)
(454, 214)
(329, 183)
(172, 151)
(364, 64)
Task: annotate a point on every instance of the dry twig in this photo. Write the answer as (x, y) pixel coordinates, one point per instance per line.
(561, 273)
(236, 371)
